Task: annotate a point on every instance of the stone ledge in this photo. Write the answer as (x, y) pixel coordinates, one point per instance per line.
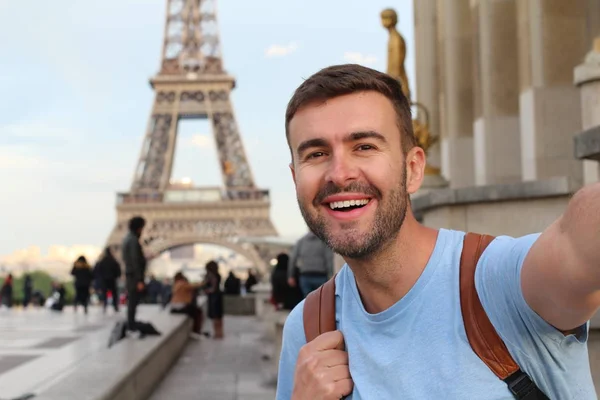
(131, 369)
(587, 144)
(554, 187)
(239, 305)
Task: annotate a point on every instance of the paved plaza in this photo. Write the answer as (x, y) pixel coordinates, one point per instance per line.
(228, 369)
(38, 346)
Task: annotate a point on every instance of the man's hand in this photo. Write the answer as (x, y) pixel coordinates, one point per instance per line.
(322, 371)
(140, 286)
(292, 282)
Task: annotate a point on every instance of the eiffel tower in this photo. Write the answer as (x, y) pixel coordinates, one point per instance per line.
(192, 83)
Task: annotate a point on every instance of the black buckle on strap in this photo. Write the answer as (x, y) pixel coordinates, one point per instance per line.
(523, 388)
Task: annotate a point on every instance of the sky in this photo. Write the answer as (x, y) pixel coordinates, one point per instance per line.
(75, 101)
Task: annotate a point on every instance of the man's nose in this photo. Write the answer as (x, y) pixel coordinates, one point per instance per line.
(341, 170)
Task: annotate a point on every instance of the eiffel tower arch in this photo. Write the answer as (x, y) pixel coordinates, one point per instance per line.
(193, 84)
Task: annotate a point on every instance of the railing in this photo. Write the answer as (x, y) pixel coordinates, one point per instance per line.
(247, 194)
(137, 198)
(193, 195)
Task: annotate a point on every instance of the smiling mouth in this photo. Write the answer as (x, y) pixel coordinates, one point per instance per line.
(348, 205)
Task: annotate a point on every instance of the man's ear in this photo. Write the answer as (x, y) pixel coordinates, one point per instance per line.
(415, 168)
(293, 172)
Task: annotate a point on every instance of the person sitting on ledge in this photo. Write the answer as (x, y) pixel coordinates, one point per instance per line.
(183, 301)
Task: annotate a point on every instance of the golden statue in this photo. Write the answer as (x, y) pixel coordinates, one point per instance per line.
(396, 50)
(424, 138)
(395, 68)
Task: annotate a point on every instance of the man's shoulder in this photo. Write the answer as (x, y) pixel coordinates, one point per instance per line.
(500, 246)
(293, 328)
(129, 238)
(505, 247)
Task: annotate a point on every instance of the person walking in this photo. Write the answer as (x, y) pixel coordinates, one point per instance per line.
(106, 272)
(284, 296)
(212, 287)
(312, 262)
(233, 285)
(6, 292)
(135, 269)
(83, 280)
(27, 290)
(251, 281)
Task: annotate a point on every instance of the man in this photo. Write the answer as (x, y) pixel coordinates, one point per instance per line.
(251, 281)
(233, 285)
(153, 289)
(399, 323)
(27, 290)
(6, 292)
(314, 261)
(106, 272)
(135, 268)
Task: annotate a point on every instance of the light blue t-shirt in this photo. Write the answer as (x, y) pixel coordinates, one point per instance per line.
(418, 348)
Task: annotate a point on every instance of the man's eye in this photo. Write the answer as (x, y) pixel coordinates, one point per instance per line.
(365, 147)
(315, 154)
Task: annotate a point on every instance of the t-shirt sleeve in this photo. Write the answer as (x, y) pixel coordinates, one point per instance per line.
(498, 284)
(293, 340)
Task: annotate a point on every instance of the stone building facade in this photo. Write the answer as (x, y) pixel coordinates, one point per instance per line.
(498, 79)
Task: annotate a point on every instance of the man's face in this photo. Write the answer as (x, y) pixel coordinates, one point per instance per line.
(350, 172)
(388, 19)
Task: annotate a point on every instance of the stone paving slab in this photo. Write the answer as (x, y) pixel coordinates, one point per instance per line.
(9, 361)
(56, 342)
(38, 346)
(228, 369)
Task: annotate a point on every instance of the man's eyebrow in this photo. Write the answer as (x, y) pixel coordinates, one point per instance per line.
(354, 136)
(307, 144)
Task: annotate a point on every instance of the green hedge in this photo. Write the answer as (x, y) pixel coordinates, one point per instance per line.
(42, 282)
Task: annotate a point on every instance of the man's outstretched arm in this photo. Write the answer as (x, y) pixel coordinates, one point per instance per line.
(561, 273)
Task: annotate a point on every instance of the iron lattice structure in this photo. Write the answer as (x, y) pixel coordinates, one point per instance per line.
(192, 83)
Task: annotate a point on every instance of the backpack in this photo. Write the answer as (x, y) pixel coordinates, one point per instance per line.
(319, 317)
(119, 331)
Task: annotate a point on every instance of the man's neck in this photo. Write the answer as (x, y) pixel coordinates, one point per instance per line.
(393, 31)
(385, 278)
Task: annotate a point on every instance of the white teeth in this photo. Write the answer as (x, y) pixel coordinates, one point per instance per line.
(348, 203)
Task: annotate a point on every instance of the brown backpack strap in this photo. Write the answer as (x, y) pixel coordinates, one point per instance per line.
(319, 310)
(481, 333)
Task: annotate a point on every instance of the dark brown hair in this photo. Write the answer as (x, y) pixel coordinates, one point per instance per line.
(212, 266)
(339, 80)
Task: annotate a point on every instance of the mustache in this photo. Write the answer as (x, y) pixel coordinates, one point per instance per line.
(355, 187)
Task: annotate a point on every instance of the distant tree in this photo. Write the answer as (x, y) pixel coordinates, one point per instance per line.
(70, 292)
(42, 282)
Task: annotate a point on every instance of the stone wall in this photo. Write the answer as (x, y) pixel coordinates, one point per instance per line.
(510, 209)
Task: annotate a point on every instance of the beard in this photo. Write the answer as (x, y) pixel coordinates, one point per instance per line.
(353, 242)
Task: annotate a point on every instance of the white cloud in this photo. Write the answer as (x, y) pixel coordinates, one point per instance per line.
(10, 159)
(33, 254)
(201, 141)
(57, 261)
(359, 58)
(42, 127)
(277, 50)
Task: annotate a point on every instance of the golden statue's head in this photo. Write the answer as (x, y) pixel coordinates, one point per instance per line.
(389, 18)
